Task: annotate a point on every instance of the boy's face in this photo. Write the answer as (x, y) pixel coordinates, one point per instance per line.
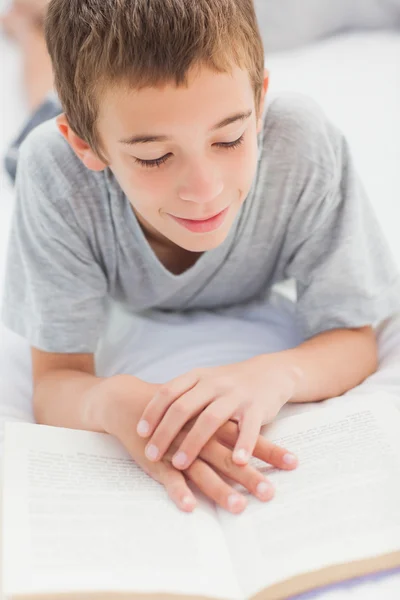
(191, 166)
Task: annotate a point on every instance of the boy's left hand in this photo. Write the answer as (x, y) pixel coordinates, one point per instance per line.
(251, 393)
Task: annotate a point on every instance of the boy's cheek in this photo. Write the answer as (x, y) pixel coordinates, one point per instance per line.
(144, 188)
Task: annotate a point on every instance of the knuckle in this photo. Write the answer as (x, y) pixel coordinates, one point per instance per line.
(224, 384)
(244, 403)
(247, 401)
(210, 419)
(164, 392)
(179, 409)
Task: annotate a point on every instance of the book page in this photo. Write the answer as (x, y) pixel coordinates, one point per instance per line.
(80, 515)
(342, 503)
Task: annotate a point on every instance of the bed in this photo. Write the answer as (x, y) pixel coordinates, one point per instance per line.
(356, 79)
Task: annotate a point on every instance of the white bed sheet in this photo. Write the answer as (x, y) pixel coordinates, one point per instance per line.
(356, 78)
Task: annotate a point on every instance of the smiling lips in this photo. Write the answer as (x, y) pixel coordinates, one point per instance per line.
(204, 226)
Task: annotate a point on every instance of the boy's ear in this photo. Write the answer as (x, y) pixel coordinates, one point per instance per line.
(262, 103)
(81, 148)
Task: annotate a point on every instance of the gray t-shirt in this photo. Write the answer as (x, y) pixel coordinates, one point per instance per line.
(76, 243)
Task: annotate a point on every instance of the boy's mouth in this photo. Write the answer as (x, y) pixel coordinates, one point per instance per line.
(203, 226)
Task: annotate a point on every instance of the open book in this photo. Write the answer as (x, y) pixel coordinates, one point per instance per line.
(81, 520)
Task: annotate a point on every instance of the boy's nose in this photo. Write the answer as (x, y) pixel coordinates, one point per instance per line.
(201, 185)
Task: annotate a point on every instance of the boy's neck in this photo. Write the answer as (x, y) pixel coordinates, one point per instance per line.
(176, 260)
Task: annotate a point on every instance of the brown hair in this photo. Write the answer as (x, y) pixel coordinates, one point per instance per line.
(96, 43)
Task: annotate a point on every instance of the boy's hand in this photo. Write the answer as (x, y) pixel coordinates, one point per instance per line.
(251, 392)
(123, 399)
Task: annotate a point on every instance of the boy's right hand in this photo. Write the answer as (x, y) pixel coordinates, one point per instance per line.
(120, 400)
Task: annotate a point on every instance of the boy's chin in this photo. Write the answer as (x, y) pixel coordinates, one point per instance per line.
(202, 242)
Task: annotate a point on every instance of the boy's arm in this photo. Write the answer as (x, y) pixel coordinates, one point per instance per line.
(332, 363)
(61, 384)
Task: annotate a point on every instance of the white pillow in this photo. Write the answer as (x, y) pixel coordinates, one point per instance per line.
(289, 23)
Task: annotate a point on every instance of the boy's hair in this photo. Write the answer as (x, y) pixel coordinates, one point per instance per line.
(94, 44)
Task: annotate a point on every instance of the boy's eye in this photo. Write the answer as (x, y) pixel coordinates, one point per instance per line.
(160, 161)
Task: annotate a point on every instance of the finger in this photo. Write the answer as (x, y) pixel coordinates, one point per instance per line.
(213, 486)
(228, 433)
(275, 455)
(177, 488)
(205, 427)
(179, 413)
(220, 457)
(250, 427)
(163, 472)
(264, 450)
(165, 396)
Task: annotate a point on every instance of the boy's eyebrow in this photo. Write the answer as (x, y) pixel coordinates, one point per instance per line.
(146, 139)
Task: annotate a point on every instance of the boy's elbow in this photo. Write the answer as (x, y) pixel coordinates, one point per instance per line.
(370, 349)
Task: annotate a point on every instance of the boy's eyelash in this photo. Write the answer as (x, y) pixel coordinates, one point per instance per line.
(160, 161)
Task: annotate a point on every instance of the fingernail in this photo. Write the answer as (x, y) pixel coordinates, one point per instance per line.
(235, 502)
(264, 490)
(241, 456)
(188, 502)
(143, 428)
(179, 461)
(152, 452)
(290, 459)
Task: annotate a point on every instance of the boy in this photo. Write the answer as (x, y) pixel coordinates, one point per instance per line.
(171, 187)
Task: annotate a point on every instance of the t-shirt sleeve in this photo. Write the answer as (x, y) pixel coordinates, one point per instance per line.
(55, 290)
(336, 251)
